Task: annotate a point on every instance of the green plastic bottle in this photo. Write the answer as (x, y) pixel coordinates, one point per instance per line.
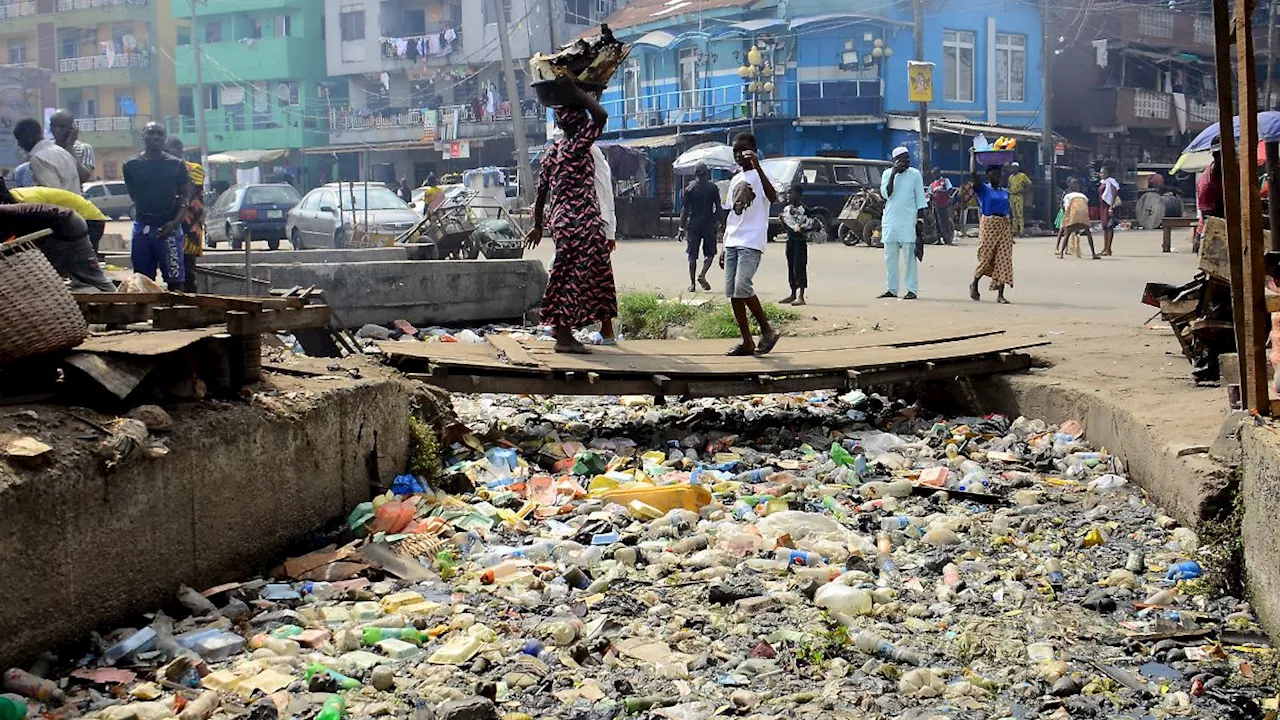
(840, 456)
(374, 635)
(334, 708)
(344, 682)
(11, 708)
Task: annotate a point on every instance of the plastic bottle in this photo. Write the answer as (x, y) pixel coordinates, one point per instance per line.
(563, 632)
(279, 646)
(884, 543)
(344, 682)
(200, 708)
(334, 706)
(840, 598)
(872, 644)
(373, 635)
(951, 575)
(24, 683)
(634, 705)
(888, 568)
(758, 475)
(12, 708)
(691, 544)
(799, 557)
(502, 571)
(1053, 568)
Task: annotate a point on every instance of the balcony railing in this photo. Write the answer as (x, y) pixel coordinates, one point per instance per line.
(239, 118)
(349, 119)
(1152, 104)
(73, 5)
(109, 124)
(1202, 112)
(733, 102)
(17, 10)
(104, 62)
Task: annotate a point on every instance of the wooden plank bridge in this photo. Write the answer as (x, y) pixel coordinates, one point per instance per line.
(699, 368)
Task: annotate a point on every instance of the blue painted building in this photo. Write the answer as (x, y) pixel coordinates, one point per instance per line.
(810, 79)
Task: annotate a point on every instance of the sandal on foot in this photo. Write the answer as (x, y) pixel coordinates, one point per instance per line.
(705, 285)
(576, 348)
(740, 350)
(767, 343)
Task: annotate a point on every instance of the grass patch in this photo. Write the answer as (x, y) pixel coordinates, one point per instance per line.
(648, 316)
(718, 323)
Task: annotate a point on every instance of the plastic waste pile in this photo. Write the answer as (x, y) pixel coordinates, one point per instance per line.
(791, 556)
(402, 331)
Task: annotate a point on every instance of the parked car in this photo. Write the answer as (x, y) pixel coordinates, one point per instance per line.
(828, 183)
(254, 212)
(111, 197)
(340, 215)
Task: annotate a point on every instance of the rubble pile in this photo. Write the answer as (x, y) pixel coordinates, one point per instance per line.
(790, 556)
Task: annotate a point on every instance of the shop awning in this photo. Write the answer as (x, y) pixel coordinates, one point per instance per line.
(246, 158)
(956, 127)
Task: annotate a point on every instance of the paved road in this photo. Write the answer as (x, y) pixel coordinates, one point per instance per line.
(844, 281)
(124, 229)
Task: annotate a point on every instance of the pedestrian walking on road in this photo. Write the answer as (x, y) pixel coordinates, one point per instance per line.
(1019, 188)
(701, 220)
(406, 192)
(902, 223)
(800, 223)
(746, 234)
(1109, 202)
(193, 218)
(581, 289)
(995, 235)
(940, 194)
(51, 166)
(1075, 220)
(159, 186)
(62, 125)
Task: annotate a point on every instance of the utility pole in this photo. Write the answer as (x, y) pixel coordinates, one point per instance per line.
(1048, 153)
(926, 152)
(1271, 50)
(551, 24)
(523, 178)
(197, 57)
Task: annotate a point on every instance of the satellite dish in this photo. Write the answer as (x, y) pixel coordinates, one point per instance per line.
(130, 42)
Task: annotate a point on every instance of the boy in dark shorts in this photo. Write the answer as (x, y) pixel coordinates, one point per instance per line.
(799, 222)
(700, 224)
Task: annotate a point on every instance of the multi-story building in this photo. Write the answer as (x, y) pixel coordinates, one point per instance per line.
(111, 62)
(1134, 85)
(263, 69)
(810, 79)
(425, 81)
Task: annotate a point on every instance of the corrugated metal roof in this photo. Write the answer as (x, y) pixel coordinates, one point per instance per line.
(639, 12)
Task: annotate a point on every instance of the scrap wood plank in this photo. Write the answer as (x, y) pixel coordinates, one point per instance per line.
(158, 342)
(244, 323)
(175, 317)
(114, 313)
(514, 351)
(667, 357)
(822, 343)
(119, 375)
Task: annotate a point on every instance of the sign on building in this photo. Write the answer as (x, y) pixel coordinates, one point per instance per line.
(920, 81)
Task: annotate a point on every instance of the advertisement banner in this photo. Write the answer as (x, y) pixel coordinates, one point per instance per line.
(920, 81)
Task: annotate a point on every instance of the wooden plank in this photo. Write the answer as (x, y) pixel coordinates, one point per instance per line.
(823, 343)
(118, 375)
(651, 357)
(124, 298)
(1252, 349)
(241, 323)
(176, 317)
(160, 342)
(743, 385)
(114, 313)
(1223, 32)
(514, 351)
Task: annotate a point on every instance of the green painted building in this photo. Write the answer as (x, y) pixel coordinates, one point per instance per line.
(263, 74)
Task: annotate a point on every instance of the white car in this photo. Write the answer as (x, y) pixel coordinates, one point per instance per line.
(330, 215)
(111, 197)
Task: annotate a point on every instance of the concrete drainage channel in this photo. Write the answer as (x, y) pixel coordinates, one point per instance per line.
(243, 483)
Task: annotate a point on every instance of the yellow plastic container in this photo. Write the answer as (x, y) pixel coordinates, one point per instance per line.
(665, 498)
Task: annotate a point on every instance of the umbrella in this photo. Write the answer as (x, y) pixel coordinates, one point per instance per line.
(717, 156)
(1196, 156)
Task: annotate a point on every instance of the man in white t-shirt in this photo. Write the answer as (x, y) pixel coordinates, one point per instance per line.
(1109, 202)
(746, 234)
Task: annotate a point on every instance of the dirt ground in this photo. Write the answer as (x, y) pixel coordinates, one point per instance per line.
(1103, 338)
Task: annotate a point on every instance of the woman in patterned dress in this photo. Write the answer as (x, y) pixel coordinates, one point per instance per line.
(581, 289)
(995, 235)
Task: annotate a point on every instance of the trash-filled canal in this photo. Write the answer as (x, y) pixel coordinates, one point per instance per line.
(787, 556)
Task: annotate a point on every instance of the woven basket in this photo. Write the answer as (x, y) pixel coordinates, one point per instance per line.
(37, 313)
